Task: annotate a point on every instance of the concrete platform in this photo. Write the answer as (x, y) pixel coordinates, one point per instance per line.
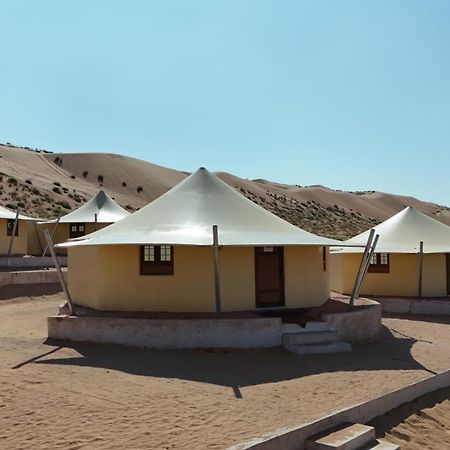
(245, 329)
(409, 305)
(30, 262)
(361, 324)
(30, 277)
(168, 333)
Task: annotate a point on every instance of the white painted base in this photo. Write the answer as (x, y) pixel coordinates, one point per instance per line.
(402, 305)
(30, 277)
(15, 262)
(168, 333)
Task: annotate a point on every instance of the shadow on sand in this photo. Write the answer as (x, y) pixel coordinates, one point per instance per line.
(236, 368)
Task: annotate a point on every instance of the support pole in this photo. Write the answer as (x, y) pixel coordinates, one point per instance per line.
(59, 272)
(366, 268)
(37, 236)
(217, 270)
(53, 233)
(419, 290)
(12, 236)
(362, 266)
(95, 221)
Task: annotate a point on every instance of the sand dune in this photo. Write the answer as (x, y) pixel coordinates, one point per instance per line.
(49, 184)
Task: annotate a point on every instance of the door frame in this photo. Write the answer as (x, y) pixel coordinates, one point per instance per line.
(447, 271)
(281, 275)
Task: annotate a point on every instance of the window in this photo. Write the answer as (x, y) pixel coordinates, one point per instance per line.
(77, 230)
(324, 259)
(379, 263)
(10, 227)
(156, 260)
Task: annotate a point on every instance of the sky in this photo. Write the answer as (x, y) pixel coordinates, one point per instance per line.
(354, 95)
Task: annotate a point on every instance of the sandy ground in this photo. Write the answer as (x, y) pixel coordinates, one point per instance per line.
(422, 424)
(92, 397)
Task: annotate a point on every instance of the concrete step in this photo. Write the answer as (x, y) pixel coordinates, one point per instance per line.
(380, 444)
(313, 337)
(312, 349)
(310, 326)
(347, 437)
(317, 326)
(291, 328)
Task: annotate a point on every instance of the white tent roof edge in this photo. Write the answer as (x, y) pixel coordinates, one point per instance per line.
(402, 233)
(186, 214)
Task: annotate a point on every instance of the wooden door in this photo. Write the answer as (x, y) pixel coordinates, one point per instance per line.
(269, 276)
(448, 273)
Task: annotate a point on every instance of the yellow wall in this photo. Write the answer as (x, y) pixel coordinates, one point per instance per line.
(84, 279)
(19, 246)
(401, 281)
(107, 278)
(35, 244)
(306, 284)
(62, 233)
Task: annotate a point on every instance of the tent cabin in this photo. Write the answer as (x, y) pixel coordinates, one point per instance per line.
(25, 240)
(99, 212)
(161, 257)
(395, 267)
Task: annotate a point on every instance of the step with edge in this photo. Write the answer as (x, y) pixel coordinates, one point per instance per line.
(313, 337)
(316, 349)
(348, 437)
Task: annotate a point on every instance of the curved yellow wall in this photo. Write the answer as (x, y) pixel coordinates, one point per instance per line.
(306, 283)
(401, 281)
(107, 278)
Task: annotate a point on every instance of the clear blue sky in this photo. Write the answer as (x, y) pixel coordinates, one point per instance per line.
(349, 94)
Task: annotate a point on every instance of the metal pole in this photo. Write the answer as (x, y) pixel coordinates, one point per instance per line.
(217, 270)
(366, 268)
(53, 232)
(37, 235)
(95, 220)
(59, 272)
(361, 268)
(419, 290)
(12, 236)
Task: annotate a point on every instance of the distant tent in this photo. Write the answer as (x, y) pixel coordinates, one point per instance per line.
(394, 270)
(403, 232)
(25, 240)
(99, 212)
(161, 258)
(102, 205)
(8, 214)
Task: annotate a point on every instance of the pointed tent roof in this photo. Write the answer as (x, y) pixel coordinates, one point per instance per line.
(107, 210)
(185, 216)
(403, 232)
(8, 214)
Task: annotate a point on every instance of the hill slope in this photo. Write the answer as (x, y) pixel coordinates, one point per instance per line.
(47, 184)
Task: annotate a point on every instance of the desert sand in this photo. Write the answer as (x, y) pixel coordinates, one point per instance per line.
(422, 424)
(55, 395)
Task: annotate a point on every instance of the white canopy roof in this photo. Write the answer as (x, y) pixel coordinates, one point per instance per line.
(107, 210)
(403, 233)
(8, 214)
(186, 214)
